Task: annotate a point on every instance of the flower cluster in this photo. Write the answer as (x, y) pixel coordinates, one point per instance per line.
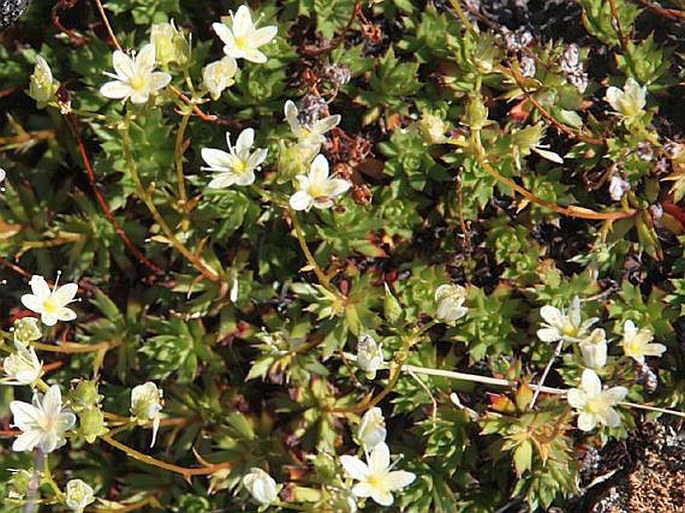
(594, 405)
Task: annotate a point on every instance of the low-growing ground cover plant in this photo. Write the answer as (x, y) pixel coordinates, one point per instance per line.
(340, 255)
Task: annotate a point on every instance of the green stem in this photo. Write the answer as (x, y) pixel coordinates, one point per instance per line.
(180, 136)
(186, 472)
(323, 279)
(464, 18)
(144, 195)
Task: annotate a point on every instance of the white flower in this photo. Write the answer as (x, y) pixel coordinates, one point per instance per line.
(50, 304)
(146, 405)
(559, 325)
(371, 431)
(369, 355)
(637, 343)
(594, 405)
(618, 187)
(78, 495)
(310, 136)
(170, 44)
(243, 39)
(135, 78)
(43, 86)
(317, 189)
(376, 477)
(628, 102)
(218, 76)
(594, 349)
(261, 486)
(236, 167)
(3, 175)
(450, 300)
(44, 422)
(22, 367)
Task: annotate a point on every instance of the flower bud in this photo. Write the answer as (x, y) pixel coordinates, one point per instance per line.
(594, 349)
(295, 160)
(449, 300)
(218, 76)
(371, 429)
(43, 86)
(92, 424)
(369, 355)
(78, 495)
(261, 486)
(22, 367)
(85, 396)
(170, 44)
(26, 330)
(146, 404)
(476, 113)
(392, 309)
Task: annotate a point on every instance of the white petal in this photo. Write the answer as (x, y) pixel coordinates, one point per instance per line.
(587, 421)
(354, 467)
(362, 490)
(301, 201)
(612, 418)
(33, 303)
(382, 497)
(145, 60)
(216, 158)
(48, 319)
(318, 171)
(242, 21)
(398, 479)
(291, 117)
(40, 287)
(65, 294)
(324, 125)
(159, 80)
(591, 383)
(245, 141)
(245, 178)
(52, 400)
(116, 90)
(576, 398)
(25, 415)
(549, 155)
(379, 460)
(254, 56)
(549, 334)
(224, 33)
(123, 65)
(27, 441)
(338, 186)
(256, 158)
(221, 181)
(552, 315)
(654, 350)
(263, 35)
(66, 314)
(615, 394)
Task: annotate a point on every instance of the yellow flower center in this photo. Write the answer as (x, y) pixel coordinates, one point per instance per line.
(138, 83)
(241, 42)
(49, 306)
(569, 330)
(375, 481)
(595, 405)
(239, 166)
(47, 423)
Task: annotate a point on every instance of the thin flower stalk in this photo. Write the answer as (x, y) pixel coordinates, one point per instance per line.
(144, 194)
